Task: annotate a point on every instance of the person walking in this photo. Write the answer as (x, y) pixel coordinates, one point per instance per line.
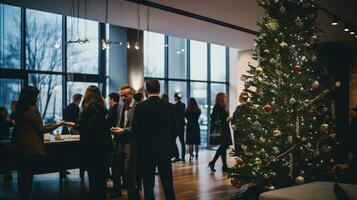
(193, 139)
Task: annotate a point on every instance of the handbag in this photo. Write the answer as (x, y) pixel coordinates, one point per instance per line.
(216, 134)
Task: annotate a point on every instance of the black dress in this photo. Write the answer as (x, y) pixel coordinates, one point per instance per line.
(96, 145)
(193, 128)
(220, 114)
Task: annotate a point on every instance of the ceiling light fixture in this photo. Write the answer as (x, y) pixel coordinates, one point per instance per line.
(334, 22)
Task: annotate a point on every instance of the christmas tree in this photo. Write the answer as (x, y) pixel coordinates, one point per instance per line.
(286, 130)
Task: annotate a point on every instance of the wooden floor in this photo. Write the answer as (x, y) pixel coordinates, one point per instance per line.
(192, 181)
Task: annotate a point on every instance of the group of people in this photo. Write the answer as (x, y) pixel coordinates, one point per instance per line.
(137, 138)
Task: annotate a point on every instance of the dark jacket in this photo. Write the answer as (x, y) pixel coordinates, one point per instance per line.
(193, 127)
(5, 125)
(113, 114)
(153, 123)
(29, 130)
(352, 147)
(125, 143)
(180, 115)
(219, 115)
(241, 110)
(96, 143)
(70, 114)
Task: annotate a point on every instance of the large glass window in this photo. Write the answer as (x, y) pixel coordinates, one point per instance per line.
(77, 88)
(177, 58)
(43, 41)
(10, 36)
(154, 54)
(50, 103)
(198, 60)
(82, 57)
(215, 89)
(177, 86)
(9, 91)
(218, 63)
(199, 92)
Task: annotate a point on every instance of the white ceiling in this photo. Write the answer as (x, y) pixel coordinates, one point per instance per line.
(244, 13)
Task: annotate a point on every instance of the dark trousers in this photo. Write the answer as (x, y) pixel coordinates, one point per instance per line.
(181, 136)
(97, 179)
(26, 166)
(148, 168)
(221, 151)
(124, 165)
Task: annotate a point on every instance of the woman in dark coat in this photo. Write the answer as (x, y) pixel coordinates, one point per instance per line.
(220, 119)
(28, 138)
(240, 111)
(95, 141)
(192, 114)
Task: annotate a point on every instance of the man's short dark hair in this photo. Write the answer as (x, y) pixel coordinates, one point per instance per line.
(114, 96)
(165, 97)
(77, 97)
(152, 86)
(138, 96)
(178, 95)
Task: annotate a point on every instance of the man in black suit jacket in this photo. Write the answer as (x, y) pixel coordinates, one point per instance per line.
(125, 151)
(153, 123)
(71, 112)
(180, 116)
(113, 108)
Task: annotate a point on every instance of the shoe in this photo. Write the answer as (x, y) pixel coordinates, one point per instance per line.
(116, 195)
(191, 157)
(211, 166)
(183, 159)
(175, 160)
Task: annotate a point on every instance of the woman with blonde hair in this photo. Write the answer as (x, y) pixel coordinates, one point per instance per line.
(95, 141)
(220, 121)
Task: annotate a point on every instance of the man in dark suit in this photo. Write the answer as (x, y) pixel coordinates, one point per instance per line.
(125, 152)
(113, 108)
(71, 112)
(180, 116)
(153, 122)
(174, 132)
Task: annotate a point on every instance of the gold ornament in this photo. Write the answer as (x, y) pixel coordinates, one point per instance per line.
(290, 139)
(276, 133)
(271, 187)
(338, 84)
(299, 180)
(272, 24)
(283, 44)
(324, 127)
(257, 161)
(262, 140)
(244, 147)
(315, 85)
(313, 58)
(259, 71)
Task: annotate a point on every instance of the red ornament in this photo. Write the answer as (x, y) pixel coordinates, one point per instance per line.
(297, 69)
(268, 108)
(239, 161)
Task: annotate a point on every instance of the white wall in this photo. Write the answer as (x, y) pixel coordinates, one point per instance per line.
(238, 65)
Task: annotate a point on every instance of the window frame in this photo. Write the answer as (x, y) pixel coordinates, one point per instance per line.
(188, 80)
(23, 73)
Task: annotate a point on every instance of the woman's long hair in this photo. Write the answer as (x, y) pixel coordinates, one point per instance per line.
(28, 97)
(92, 96)
(220, 99)
(192, 106)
